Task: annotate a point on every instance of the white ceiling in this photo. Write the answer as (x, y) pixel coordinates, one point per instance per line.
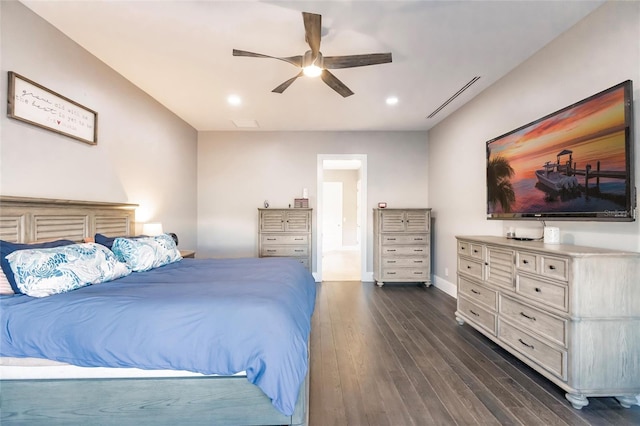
(179, 52)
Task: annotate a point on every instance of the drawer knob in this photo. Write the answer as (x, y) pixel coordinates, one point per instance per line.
(538, 290)
(391, 239)
(552, 267)
(462, 248)
(417, 261)
(526, 344)
(470, 310)
(475, 251)
(527, 316)
(526, 262)
(391, 261)
(475, 291)
(468, 266)
(392, 250)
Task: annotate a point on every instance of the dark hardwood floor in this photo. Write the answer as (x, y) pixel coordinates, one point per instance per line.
(396, 356)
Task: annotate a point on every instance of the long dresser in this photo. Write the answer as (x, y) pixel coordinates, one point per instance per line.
(402, 245)
(285, 233)
(571, 313)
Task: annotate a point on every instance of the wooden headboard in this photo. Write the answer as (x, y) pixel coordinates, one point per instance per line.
(27, 220)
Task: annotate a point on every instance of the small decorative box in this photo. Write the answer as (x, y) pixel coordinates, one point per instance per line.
(301, 203)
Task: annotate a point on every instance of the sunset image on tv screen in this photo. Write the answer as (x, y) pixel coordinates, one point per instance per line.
(574, 160)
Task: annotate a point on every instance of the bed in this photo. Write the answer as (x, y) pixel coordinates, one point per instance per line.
(239, 356)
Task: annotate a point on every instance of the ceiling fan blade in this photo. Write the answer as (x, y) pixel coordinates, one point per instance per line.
(350, 61)
(312, 29)
(286, 84)
(333, 82)
(294, 60)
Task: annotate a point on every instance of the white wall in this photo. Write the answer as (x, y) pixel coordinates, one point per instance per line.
(237, 171)
(145, 154)
(599, 52)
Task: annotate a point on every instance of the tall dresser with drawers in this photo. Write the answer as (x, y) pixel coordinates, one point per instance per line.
(285, 233)
(402, 245)
(571, 313)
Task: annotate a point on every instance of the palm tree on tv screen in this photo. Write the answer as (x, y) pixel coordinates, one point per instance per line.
(499, 188)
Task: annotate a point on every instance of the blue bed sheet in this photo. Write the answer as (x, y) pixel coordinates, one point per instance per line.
(212, 316)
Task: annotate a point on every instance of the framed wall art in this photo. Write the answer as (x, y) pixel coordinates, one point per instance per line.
(33, 103)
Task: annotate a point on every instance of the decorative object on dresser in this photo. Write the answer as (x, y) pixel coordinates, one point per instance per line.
(285, 233)
(569, 312)
(402, 245)
(299, 203)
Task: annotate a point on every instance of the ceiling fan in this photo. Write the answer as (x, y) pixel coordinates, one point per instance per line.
(314, 64)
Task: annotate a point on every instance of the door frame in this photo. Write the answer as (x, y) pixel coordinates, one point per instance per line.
(363, 210)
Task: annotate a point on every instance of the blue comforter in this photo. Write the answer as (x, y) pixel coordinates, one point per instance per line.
(212, 316)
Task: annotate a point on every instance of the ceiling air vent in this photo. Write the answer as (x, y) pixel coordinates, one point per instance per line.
(455, 95)
(245, 124)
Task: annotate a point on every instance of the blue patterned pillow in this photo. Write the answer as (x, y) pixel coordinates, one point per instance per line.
(43, 272)
(143, 254)
(6, 248)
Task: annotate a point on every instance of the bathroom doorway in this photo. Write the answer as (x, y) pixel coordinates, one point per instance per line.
(341, 244)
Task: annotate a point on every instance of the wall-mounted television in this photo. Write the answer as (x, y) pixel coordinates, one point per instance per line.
(574, 164)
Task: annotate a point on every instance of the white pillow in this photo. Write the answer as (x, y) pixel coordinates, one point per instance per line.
(43, 272)
(143, 254)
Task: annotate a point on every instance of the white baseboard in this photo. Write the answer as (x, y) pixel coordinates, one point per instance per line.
(448, 287)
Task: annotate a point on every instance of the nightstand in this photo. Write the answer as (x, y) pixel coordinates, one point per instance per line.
(188, 254)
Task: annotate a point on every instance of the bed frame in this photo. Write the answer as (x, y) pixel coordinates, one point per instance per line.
(210, 400)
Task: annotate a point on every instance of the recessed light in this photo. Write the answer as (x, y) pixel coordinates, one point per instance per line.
(392, 100)
(234, 100)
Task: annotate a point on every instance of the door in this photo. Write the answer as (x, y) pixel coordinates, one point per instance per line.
(332, 217)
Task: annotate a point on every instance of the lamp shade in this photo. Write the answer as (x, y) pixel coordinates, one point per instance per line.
(152, 229)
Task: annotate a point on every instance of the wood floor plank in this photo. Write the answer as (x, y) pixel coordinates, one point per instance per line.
(396, 356)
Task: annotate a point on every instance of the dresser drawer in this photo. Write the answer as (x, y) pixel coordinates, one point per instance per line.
(284, 239)
(554, 267)
(415, 262)
(404, 239)
(542, 323)
(285, 251)
(466, 248)
(550, 294)
(527, 261)
(405, 274)
(477, 314)
(478, 293)
(405, 250)
(470, 267)
(545, 355)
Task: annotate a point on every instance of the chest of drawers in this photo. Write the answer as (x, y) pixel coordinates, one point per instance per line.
(285, 233)
(572, 313)
(402, 247)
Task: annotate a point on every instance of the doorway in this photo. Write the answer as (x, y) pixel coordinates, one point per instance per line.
(341, 245)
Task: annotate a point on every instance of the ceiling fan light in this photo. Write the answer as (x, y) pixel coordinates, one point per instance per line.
(312, 71)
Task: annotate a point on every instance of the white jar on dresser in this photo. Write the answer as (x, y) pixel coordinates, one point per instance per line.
(285, 233)
(571, 313)
(402, 245)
